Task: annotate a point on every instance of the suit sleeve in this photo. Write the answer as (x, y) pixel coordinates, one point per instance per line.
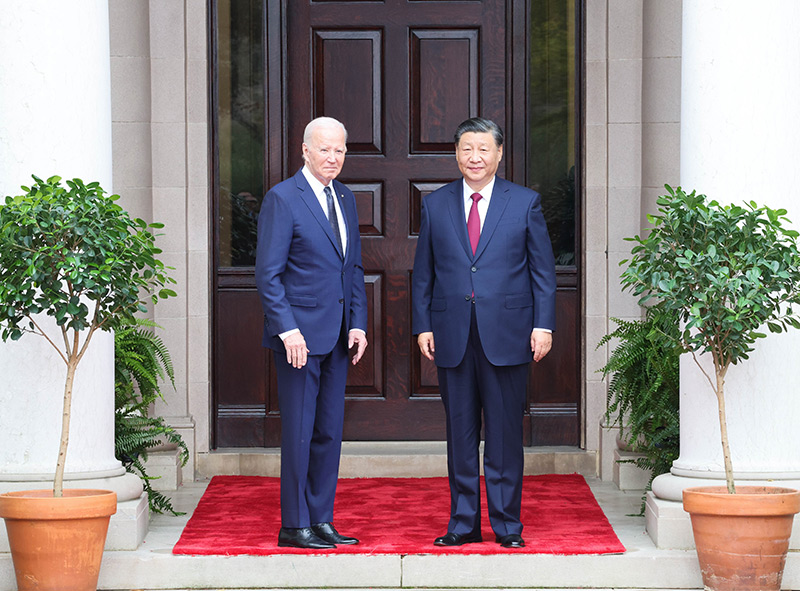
(274, 241)
(358, 298)
(542, 267)
(422, 285)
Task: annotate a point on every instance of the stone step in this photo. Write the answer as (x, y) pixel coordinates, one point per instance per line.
(390, 459)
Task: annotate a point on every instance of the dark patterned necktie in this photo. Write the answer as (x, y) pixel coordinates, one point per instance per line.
(333, 218)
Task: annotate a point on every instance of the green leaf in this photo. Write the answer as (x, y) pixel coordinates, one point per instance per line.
(63, 245)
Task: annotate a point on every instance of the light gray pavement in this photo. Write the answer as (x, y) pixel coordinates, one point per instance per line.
(153, 566)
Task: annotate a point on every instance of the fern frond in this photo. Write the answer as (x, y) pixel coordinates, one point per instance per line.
(142, 362)
(644, 386)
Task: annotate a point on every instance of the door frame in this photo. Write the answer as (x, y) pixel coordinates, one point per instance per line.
(276, 168)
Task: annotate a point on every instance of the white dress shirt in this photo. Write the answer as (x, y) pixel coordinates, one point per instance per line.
(483, 204)
(319, 192)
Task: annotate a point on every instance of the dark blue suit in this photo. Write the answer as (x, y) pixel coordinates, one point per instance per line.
(304, 282)
(483, 342)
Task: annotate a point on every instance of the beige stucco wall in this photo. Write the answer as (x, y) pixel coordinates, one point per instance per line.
(160, 129)
(631, 151)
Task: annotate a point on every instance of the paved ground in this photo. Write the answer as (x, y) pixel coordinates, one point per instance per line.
(153, 566)
(643, 567)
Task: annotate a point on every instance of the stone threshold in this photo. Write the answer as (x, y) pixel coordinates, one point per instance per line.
(390, 459)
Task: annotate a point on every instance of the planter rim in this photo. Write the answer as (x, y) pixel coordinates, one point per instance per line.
(748, 500)
(77, 503)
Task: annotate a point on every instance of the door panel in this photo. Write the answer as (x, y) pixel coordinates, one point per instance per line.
(401, 75)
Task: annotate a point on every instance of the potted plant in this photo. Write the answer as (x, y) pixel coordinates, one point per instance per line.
(643, 391)
(73, 254)
(727, 271)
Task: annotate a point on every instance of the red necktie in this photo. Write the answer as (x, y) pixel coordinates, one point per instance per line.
(474, 222)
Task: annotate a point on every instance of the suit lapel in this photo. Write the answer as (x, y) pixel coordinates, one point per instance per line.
(308, 197)
(458, 216)
(497, 206)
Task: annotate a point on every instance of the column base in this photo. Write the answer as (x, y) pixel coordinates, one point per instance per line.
(608, 445)
(627, 475)
(164, 466)
(669, 526)
(129, 524)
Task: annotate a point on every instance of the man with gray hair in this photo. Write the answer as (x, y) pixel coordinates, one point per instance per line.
(311, 282)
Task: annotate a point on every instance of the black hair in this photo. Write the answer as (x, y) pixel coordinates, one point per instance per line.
(480, 125)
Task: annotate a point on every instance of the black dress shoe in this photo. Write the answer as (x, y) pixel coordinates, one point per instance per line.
(451, 539)
(327, 532)
(302, 537)
(511, 541)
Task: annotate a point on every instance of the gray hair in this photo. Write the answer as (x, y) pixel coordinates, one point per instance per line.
(328, 122)
(480, 125)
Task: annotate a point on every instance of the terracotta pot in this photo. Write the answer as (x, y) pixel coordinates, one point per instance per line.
(57, 543)
(742, 539)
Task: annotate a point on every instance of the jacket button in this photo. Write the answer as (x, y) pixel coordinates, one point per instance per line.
(341, 300)
(473, 269)
(468, 297)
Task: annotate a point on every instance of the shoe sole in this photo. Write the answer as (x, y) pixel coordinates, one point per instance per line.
(476, 541)
(285, 545)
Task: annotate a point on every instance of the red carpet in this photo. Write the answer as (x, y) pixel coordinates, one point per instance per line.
(241, 515)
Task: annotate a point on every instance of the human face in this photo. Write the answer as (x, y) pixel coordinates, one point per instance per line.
(478, 157)
(325, 155)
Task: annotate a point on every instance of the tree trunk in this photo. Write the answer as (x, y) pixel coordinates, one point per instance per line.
(723, 431)
(58, 482)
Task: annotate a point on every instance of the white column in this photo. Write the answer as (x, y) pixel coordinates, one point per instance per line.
(55, 119)
(740, 139)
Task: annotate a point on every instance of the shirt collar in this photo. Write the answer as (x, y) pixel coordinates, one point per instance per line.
(486, 192)
(313, 181)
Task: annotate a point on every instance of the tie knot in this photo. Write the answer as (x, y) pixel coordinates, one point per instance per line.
(327, 191)
(476, 197)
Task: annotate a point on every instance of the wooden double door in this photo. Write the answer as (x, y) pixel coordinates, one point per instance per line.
(401, 75)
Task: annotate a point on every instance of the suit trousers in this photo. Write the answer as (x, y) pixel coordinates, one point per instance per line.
(311, 401)
(473, 386)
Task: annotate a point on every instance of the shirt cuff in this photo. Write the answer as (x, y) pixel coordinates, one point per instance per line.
(288, 333)
(362, 331)
(544, 330)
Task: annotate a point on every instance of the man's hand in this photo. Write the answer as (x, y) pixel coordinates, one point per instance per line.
(541, 342)
(358, 338)
(296, 350)
(425, 342)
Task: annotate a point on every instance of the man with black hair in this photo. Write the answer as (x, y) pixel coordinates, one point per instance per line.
(483, 296)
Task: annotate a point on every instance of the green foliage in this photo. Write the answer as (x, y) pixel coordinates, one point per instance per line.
(75, 255)
(726, 271)
(643, 393)
(60, 245)
(142, 361)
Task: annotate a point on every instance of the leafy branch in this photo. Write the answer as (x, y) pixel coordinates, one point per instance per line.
(726, 271)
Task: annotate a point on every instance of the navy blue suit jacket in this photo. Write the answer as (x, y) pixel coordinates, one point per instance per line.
(512, 274)
(302, 278)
